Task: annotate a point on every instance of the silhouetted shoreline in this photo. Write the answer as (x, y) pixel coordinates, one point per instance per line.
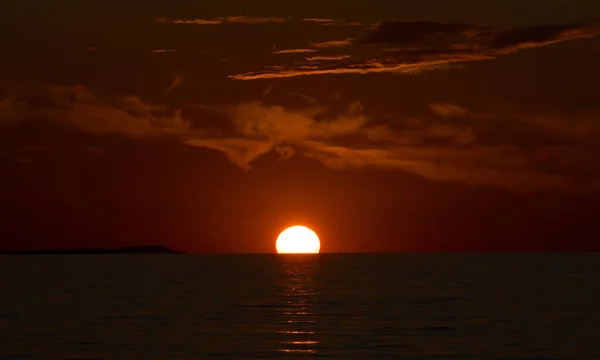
(146, 249)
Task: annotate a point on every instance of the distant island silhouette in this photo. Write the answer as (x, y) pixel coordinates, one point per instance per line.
(144, 249)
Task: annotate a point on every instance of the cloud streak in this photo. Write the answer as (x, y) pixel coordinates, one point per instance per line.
(362, 68)
(177, 82)
(158, 51)
(333, 22)
(416, 46)
(243, 19)
(246, 19)
(471, 166)
(332, 44)
(327, 58)
(294, 51)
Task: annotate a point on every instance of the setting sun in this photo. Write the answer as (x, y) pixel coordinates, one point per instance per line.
(298, 240)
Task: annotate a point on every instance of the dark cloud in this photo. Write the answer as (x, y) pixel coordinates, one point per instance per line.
(416, 46)
(536, 34)
(450, 36)
(333, 22)
(411, 32)
(78, 107)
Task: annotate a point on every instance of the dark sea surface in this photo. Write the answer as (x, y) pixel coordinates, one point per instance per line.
(367, 306)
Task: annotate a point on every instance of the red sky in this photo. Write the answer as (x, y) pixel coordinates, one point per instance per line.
(384, 126)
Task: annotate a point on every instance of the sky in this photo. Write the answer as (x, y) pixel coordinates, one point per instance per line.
(383, 125)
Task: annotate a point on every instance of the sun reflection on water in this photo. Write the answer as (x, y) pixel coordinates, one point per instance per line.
(298, 298)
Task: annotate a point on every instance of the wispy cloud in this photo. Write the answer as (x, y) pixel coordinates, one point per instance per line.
(310, 99)
(156, 51)
(416, 46)
(78, 107)
(177, 82)
(368, 67)
(448, 110)
(294, 51)
(246, 19)
(333, 22)
(513, 40)
(239, 151)
(318, 20)
(332, 43)
(327, 57)
(471, 166)
(582, 128)
(217, 21)
(260, 129)
(242, 19)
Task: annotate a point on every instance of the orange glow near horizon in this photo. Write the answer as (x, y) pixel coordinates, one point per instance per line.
(298, 240)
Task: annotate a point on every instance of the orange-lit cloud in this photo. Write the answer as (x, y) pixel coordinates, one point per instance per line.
(446, 146)
(471, 166)
(158, 51)
(279, 124)
(294, 51)
(513, 40)
(433, 148)
(259, 129)
(239, 151)
(190, 21)
(327, 57)
(319, 20)
(448, 110)
(332, 43)
(368, 67)
(243, 19)
(449, 142)
(416, 46)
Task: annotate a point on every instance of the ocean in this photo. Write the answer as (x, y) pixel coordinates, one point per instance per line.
(338, 306)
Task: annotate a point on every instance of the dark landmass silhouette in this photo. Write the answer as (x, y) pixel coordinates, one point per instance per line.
(144, 249)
